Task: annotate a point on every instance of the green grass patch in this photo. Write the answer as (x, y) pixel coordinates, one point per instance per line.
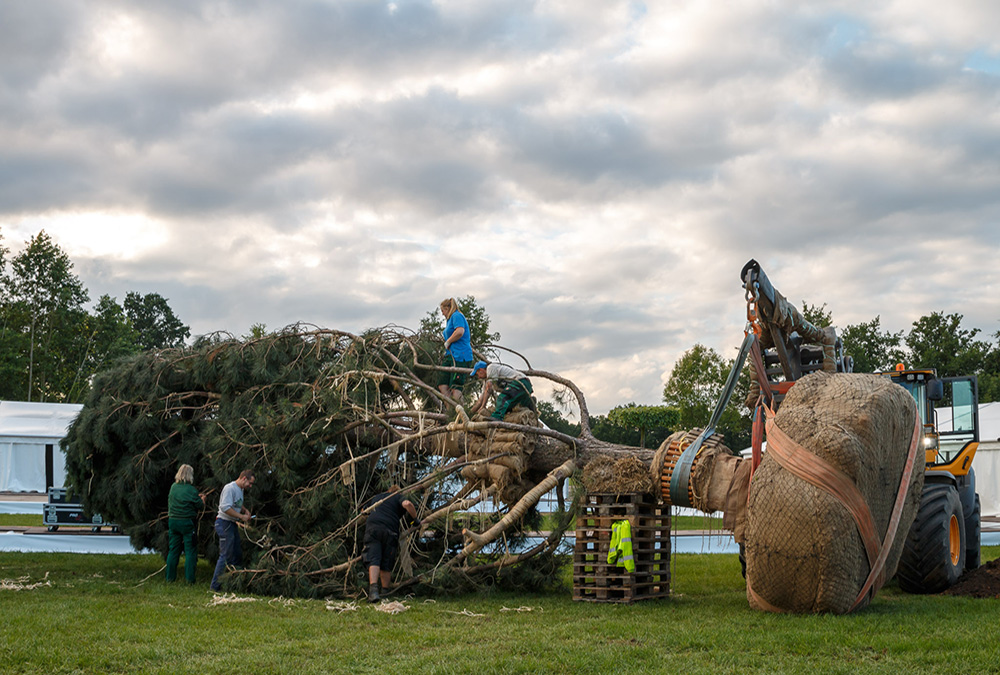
(21, 520)
(105, 613)
(678, 523)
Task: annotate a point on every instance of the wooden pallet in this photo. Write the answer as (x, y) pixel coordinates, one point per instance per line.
(594, 579)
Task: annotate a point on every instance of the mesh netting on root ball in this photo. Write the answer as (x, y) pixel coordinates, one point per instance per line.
(326, 420)
(804, 552)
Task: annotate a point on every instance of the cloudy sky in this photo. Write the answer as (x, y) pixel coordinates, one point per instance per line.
(596, 173)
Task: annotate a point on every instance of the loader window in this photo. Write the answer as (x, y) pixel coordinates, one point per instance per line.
(957, 417)
(957, 410)
(917, 391)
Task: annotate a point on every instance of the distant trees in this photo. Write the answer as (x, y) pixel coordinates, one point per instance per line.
(648, 419)
(695, 385)
(50, 343)
(43, 312)
(154, 321)
(939, 341)
(936, 340)
(872, 348)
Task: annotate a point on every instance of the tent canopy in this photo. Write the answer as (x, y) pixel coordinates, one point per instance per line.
(30, 458)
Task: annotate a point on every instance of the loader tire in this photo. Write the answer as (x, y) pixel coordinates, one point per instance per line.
(934, 551)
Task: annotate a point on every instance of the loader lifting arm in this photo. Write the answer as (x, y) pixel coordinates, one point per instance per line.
(791, 347)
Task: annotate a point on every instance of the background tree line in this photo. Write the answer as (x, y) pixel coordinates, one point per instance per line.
(51, 343)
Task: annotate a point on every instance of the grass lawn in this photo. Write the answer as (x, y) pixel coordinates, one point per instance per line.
(100, 613)
(21, 520)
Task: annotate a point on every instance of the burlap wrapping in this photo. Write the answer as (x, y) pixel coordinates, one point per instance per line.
(711, 477)
(503, 473)
(803, 549)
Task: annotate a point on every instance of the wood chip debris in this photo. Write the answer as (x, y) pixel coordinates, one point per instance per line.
(342, 606)
(390, 607)
(523, 608)
(464, 612)
(228, 599)
(24, 583)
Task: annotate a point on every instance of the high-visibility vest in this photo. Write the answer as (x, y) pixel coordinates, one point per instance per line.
(620, 552)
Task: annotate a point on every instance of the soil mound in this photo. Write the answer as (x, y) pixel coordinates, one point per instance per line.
(623, 476)
(980, 583)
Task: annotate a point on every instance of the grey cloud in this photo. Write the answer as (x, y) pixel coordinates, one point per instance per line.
(34, 40)
(370, 37)
(859, 166)
(890, 73)
(588, 147)
(45, 179)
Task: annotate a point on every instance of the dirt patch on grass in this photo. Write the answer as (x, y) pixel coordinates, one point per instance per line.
(980, 583)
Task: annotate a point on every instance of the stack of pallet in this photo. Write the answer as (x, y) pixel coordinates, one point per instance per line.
(597, 580)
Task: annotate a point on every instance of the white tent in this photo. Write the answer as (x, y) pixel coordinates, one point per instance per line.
(30, 458)
(987, 460)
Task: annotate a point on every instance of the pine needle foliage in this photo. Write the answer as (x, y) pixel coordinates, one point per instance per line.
(325, 419)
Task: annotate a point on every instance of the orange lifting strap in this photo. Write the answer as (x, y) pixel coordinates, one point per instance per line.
(818, 472)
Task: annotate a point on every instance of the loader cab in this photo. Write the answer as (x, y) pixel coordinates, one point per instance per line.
(948, 408)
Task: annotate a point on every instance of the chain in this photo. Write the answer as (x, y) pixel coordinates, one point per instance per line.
(750, 294)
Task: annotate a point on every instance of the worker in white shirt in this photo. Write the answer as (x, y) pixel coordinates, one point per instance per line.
(513, 387)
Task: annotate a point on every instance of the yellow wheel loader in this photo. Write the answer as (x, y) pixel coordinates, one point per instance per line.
(945, 537)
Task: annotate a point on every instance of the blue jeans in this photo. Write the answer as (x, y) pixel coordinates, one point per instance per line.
(230, 552)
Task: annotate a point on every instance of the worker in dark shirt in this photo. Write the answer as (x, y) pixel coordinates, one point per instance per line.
(382, 537)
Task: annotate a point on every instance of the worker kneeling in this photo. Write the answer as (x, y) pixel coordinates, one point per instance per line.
(513, 386)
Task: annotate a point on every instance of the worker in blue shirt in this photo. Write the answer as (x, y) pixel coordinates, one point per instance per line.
(458, 350)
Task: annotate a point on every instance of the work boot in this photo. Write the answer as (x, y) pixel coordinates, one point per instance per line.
(373, 592)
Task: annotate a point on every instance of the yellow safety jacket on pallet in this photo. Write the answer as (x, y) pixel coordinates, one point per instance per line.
(620, 552)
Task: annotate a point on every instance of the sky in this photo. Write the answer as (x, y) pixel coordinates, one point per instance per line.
(595, 173)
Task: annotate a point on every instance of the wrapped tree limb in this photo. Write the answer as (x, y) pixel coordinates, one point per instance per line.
(477, 541)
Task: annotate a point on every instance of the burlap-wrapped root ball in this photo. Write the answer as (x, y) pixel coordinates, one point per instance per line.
(804, 552)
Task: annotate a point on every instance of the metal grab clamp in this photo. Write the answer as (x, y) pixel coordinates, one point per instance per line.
(682, 471)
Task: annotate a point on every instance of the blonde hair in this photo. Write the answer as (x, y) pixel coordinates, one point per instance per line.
(449, 307)
(185, 474)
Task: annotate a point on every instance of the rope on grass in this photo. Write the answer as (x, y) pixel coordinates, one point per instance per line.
(390, 607)
(23, 583)
(342, 606)
(228, 599)
(151, 576)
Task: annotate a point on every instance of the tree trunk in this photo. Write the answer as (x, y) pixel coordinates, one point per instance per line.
(550, 453)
